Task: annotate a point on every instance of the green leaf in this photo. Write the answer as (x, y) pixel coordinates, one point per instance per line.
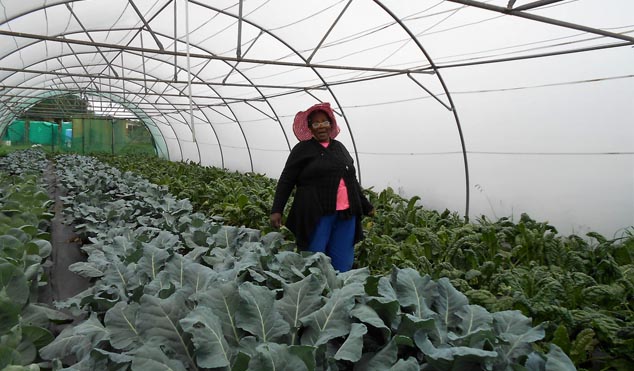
(242, 362)
(190, 276)
(224, 301)
(118, 274)
(151, 357)
(225, 237)
(557, 360)
(474, 326)
(13, 284)
(120, 358)
(8, 356)
(39, 336)
(352, 348)
(28, 352)
(386, 304)
(409, 364)
(414, 292)
(515, 329)
(582, 345)
(448, 303)
(212, 349)
(333, 319)
(257, 313)
(39, 315)
(32, 269)
(120, 323)
(452, 358)
(411, 324)
(354, 275)
(561, 338)
(300, 299)
(384, 359)
(160, 286)
(319, 264)
(367, 314)
(77, 340)
(9, 245)
(165, 240)
(159, 319)
(306, 353)
(534, 361)
(9, 312)
(44, 247)
(276, 357)
(152, 261)
(85, 269)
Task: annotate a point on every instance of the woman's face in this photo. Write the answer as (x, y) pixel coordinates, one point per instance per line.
(318, 126)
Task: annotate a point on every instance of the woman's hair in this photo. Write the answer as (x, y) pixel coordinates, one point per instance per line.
(309, 119)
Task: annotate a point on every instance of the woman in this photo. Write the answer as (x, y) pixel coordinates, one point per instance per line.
(328, 205)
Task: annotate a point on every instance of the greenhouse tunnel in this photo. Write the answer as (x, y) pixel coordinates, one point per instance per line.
(492, 108)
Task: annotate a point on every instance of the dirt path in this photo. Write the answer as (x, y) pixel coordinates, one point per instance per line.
(62, 283)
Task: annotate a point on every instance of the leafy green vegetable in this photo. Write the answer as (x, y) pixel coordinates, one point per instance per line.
(178, 286)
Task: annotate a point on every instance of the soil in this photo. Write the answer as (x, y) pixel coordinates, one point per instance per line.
(62, 283)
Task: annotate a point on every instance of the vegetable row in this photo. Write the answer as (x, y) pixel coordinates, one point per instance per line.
(25, 247)
(580, 287)
(175, 289)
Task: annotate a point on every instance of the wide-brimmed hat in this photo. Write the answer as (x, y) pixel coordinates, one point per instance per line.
(300, 124)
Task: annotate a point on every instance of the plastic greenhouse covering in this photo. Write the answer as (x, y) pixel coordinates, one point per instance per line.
(490, 107)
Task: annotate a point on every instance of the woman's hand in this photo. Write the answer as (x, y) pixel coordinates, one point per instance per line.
(276, 220)
(372, 212)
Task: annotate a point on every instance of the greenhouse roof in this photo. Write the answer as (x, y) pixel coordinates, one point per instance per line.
(483, 107)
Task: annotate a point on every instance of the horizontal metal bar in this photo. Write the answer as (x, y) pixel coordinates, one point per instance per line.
(538, 18)
(115, 92)
(106, 101)
(207, 56)
(540, 55)
(166, 81)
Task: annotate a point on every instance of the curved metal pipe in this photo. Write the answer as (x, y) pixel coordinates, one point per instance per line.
(354, 145)
(138, 94)
(451, 103)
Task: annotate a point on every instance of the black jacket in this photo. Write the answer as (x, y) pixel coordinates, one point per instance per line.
(316, 172)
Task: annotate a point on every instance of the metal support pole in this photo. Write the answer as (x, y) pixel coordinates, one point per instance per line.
(27, 130)
(189, 75)
(239, 47)
(175, 41)
(112, 136)
(83, 136)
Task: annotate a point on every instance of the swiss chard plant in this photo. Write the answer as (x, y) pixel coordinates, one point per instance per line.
(580, 289)
(24, 249)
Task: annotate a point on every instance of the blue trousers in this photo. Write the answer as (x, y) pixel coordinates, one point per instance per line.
(334, 236)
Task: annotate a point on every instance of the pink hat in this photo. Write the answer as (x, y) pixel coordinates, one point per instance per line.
(300, 124)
